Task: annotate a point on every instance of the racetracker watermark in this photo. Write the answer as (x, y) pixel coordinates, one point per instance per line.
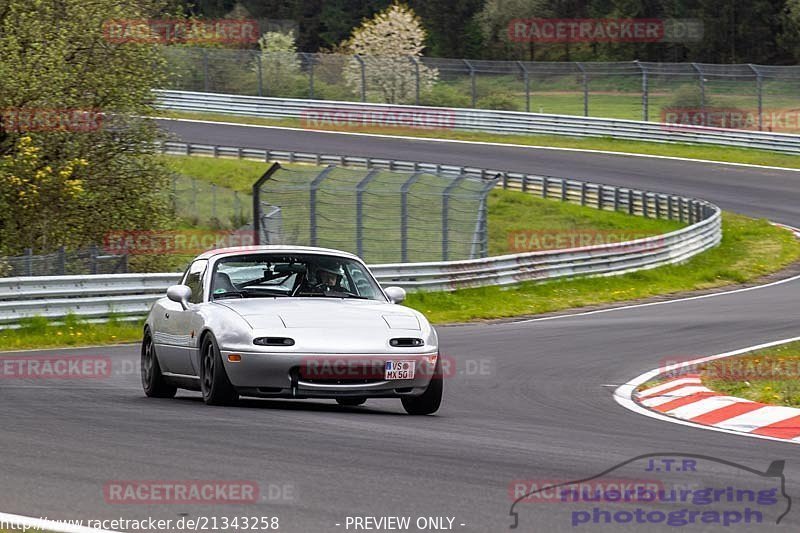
(753, 367)
(726, 118)
(182, 31)
(383, 367)
(43, 119)
(56, 367)
(380, 117)
(592, 30)
(177, 242)
(566, 491)
(558, 239)
(181, 492)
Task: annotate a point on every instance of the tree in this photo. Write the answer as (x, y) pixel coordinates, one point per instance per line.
(494, 19)
(278, 63)
(390, 44)
(79, 179)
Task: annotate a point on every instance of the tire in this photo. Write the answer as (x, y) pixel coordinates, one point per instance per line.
(429, 401)
(153, 382)
(351, 402)
(214, 383)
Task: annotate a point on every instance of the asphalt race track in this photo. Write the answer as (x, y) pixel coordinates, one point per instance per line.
(528, 400)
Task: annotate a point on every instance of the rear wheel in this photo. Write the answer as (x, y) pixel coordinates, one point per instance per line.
(214, 382)
(351, 402)
(153, 382)
(429, 401)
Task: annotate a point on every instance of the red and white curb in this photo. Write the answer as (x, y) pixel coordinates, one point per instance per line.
(685, 401)
(686, 398)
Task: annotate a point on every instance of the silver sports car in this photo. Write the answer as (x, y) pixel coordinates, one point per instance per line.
(291, 322)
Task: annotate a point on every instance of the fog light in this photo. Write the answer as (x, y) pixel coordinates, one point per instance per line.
(234, 358)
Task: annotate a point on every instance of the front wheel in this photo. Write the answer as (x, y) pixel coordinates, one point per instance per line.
(429, 401)
(153, 382)
(214, 382)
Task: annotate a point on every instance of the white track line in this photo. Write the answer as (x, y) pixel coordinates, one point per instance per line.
(460, 141)
(624, 393)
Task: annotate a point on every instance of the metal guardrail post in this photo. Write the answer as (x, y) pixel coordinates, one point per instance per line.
(404, 215)
(759, 95)
(360, 188)
(585, 89)
(363, 77)
(526, 78)
(445, 212)
(312, 204)
(473, 86)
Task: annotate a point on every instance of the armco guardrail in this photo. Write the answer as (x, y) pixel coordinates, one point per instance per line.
(130, 295)
(318, 113)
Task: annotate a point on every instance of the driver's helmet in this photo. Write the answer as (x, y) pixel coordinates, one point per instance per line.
(328, 274)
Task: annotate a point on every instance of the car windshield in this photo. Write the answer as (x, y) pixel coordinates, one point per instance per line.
(296, 275)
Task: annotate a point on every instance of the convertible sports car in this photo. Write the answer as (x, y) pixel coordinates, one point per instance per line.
(291, 322)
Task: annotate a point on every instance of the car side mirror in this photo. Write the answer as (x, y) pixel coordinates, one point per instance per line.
(180, 294)
(396, 294)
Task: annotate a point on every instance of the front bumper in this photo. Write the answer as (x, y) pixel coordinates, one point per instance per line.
(294, 375)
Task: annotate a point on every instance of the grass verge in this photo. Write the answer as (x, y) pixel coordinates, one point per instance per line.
(767, 376)
(39, 332)
(690, 151)
(750, 249)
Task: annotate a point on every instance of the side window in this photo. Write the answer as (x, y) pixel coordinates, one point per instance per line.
(194, 279)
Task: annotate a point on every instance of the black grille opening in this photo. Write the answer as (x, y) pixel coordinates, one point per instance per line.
(273, 341)
(406, 342)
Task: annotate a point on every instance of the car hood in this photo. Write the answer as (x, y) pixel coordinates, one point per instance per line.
(323, 313)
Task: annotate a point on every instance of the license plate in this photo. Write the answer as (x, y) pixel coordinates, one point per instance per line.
(399, 370)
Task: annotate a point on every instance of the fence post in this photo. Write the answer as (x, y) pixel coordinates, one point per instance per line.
(445, 209)
(312, 199)
(759, 95)
(360, 188)
(415, 62)
(472, 82)
(527, 80)
(645, 92)
(310, 59)
(404, 215)
(205, 70)
(260, 74)
(702, 82)
(585, 89)
(363, 77)
(93, 259)
(28, 262)
(62, 261)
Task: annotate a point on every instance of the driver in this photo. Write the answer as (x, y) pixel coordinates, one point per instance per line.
(328, 278)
